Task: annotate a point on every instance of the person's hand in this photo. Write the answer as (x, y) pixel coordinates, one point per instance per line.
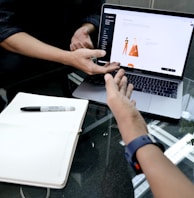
(81, 39)
(82, 59)
(130, 122)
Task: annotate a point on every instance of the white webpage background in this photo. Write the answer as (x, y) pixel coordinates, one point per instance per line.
(158, 45)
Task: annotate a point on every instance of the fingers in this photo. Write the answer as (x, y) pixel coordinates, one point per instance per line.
(75, 46)
(119, 83)
(129, 90)
(125, 88)
(78, 45)
(110, 84)
(119, 75)
(123, 85)
(109, 67)
(87, 64)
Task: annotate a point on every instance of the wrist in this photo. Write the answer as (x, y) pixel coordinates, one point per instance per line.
(67, 58)
(132, 148)
(90, 28)
(131, 131)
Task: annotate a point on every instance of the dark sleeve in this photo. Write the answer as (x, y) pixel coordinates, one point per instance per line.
(93, 10)
(8, 25)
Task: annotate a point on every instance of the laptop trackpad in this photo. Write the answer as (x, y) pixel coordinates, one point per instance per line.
(142, 100)
(91, 92)
(165, 106)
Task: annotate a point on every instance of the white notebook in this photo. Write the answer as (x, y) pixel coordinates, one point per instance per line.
(37, 148)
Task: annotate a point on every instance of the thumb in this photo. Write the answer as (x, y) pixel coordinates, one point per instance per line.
(98, 53)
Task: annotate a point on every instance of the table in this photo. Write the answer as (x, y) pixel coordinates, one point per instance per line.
(91, 161)
(99, 164)
(171, 133)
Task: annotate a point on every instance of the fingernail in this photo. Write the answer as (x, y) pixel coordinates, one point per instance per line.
(103, 52)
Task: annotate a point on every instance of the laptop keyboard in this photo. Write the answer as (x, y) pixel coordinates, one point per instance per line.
(143, 84)
(153, 85)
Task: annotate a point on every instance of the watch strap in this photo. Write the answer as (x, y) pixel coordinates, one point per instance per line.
(132, 147)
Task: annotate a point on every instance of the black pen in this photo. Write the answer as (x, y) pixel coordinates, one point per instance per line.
(47, 108)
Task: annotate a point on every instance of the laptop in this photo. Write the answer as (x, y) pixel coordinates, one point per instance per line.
(148, 43)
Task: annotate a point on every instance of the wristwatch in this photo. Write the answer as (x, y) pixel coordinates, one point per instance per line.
(132, 147)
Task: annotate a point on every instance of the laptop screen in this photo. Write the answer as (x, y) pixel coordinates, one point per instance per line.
(143, 39)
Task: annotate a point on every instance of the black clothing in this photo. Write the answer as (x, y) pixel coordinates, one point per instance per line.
(51, 22)
(46, 20)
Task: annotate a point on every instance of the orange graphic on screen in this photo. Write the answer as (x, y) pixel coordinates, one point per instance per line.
(134, 49)
(130, 65)
(125, 48)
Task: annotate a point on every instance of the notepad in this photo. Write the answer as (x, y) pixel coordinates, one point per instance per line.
(37, 148)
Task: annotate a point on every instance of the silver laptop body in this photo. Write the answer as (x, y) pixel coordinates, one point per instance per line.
(147, 42)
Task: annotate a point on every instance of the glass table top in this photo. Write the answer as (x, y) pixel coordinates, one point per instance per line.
(99, 168)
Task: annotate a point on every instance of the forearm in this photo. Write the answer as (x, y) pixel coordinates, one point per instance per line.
(165, 179)
(24, 44)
